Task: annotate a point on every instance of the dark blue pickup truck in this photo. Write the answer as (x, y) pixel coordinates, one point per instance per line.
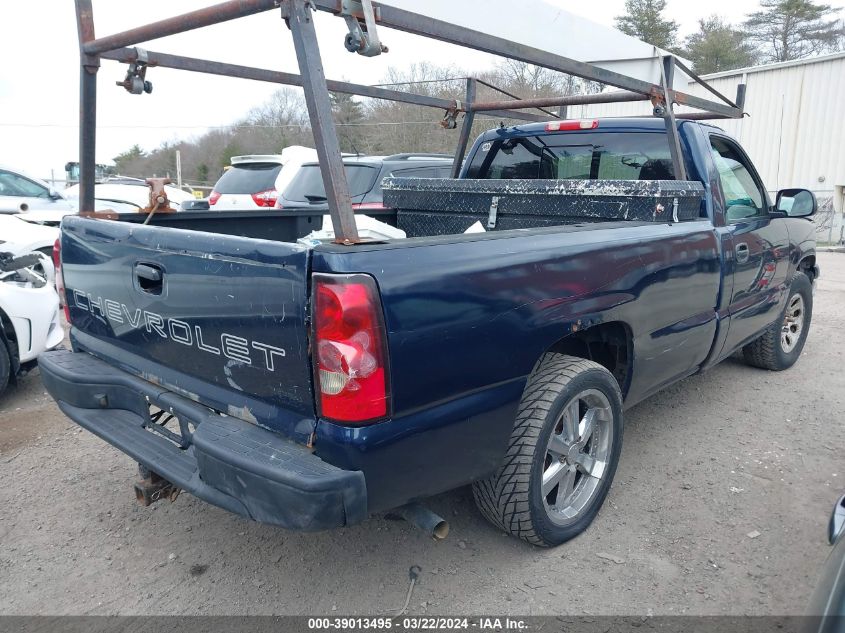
(311, 386)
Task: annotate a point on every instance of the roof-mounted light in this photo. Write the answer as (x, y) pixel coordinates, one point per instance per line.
(574, 124)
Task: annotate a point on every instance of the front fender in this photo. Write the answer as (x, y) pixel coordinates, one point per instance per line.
(802, 245)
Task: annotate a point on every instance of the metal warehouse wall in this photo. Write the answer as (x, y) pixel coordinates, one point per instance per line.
(795, 133)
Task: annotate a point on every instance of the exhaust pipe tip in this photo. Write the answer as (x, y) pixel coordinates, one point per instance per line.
(440, 531)
(421, 517)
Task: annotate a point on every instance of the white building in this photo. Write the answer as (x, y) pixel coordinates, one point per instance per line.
(795, 131)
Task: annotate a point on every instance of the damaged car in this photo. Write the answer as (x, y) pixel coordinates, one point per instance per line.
(29, 313)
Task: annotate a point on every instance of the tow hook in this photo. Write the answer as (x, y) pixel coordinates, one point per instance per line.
(153, 488)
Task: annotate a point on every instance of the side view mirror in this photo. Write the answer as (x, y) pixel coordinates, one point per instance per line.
(796, 203)
(54, 195)
(837, 521)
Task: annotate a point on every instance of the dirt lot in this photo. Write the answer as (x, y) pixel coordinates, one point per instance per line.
(706, 463)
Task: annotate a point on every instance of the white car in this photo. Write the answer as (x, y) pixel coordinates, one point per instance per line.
(254, 182)
(126, 190)
(19, 237)
(29, 313)
(22, 193)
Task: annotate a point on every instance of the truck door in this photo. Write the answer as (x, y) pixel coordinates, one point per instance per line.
(755, 245)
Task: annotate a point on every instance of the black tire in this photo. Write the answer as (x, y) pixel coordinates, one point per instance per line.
(512, 499)
(769, 351)
(5, 366)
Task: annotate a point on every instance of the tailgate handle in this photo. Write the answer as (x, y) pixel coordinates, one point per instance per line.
(149, 278)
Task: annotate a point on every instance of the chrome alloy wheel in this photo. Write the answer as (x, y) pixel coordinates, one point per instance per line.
(793, 324)
(576, 456)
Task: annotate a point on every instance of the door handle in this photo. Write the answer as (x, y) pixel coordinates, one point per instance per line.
(149, 278)
(742, 252)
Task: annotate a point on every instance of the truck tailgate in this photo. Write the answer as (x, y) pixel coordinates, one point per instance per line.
(217, 318)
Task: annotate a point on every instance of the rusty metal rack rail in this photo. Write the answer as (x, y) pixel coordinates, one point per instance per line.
(363, 18)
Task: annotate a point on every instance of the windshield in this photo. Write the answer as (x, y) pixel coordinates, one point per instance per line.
(595, 156)
(248, 178)
(307, 186)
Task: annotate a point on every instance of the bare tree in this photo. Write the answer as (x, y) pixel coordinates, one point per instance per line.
(280, 121)
(368, 126)
(528, 81)
(400, 127)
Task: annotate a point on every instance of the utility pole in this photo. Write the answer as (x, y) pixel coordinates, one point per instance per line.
(178, 169)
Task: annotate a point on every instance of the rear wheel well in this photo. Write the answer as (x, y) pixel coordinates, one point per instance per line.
(608, 344)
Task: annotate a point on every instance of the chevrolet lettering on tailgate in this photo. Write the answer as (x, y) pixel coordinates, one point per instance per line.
(231, 346)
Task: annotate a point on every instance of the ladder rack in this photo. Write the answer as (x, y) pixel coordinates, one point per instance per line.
(363, 16)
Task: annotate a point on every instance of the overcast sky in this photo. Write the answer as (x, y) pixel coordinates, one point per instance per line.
(39, 72)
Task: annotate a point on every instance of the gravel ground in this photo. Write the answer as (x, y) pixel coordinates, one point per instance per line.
(707, 465)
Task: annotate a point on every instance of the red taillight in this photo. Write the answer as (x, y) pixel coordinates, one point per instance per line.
(266, 198)
(213, 198)
(60, 282)
(57, 253)
(568, 126)
(364, 206)
(350, 349)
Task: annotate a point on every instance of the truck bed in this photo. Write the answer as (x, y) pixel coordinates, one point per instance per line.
(483, 305)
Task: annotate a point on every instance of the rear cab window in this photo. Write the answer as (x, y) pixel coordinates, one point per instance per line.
(248, 178)
(307, 185)
(581, 156)
(413, 172)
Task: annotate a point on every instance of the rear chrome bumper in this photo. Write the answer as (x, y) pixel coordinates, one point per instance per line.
(230, 463)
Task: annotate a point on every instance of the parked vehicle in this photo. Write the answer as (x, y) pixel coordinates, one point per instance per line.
(827, 605)
(36, 202)
(20, 237)
(29, 312)
(316, 386)
(127, 191)
(102, 172)
(364, 175)
(254, 182)
(22, 193)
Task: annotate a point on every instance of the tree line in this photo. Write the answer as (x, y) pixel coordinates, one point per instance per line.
(364, 126)
(780, 30)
